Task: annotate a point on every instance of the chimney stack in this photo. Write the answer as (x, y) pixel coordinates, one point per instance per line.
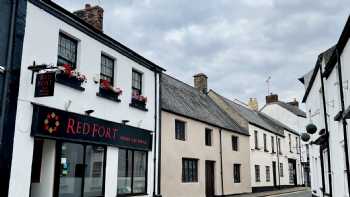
(294, 103)
(271, 98)
(201, 82)
(253, 104)
(92, 15)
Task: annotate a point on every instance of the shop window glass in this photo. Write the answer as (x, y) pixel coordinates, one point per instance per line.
(132, 172)
(81, 172)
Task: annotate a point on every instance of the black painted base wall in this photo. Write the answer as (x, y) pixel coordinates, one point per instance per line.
(272, 188)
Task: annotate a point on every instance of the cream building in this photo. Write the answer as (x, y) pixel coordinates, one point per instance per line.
(203, 152)
(273, 165)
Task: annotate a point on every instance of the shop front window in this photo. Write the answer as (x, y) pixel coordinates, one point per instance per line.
(132, 172)
(81, 171)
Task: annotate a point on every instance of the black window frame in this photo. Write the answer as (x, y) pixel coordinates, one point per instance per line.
(265, 142)
(257, 173)
(235, 143)
(236, 173)
(273, 144)
(140, 75)
(281, 170)
(105, 76)
(180, 134)
(290, 143)
(208, 136)
(297, 144)
(279, 146)
(73, 41)
(268, 173)
(132, 172)
(189, 174)
(256, 139)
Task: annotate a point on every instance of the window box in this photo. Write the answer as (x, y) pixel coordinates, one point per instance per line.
(68, 76)
(138, 104)
(109, 92)
(70, 81)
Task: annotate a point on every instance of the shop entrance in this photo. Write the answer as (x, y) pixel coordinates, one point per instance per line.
(80, 170)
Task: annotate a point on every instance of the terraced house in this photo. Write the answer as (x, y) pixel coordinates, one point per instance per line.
(87, 112)
(274, 165)
(203, 151)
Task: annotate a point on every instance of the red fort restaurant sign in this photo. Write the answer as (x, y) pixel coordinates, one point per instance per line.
(58, 124)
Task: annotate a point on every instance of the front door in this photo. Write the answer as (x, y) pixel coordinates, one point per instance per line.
(274, 173)
(209, 178)
(292, 172)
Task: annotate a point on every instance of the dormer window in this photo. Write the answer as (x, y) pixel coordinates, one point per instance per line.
(67, 51)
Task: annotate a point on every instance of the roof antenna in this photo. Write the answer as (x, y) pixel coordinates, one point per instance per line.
(268, 85)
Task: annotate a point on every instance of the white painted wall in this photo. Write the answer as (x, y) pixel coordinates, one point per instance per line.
(41, 46)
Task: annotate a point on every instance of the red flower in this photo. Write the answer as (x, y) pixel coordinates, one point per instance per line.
(67, 69)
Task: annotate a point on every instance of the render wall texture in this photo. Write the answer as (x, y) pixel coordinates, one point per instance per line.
(194, 147)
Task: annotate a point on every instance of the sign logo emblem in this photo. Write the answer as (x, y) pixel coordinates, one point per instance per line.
(51, 122)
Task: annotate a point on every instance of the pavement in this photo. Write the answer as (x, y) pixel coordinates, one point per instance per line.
(291, 192)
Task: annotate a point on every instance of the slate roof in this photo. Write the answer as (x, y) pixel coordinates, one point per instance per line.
(294, 109)
(255, 117)
(182, 99)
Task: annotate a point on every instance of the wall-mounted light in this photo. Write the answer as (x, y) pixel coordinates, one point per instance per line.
(125, 122)
(89, 111)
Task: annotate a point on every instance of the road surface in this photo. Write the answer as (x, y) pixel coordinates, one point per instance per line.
(295, 194)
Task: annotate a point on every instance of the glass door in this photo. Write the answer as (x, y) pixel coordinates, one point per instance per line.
(80, 170)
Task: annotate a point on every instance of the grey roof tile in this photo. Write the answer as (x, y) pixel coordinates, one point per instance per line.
(181, 98)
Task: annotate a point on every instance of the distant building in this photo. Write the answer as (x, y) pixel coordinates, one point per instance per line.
(203, 151)
(275, 162)
(290, 114)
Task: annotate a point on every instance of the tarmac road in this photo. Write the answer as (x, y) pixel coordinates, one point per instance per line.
(295, 194)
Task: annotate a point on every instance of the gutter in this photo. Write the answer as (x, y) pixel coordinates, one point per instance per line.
(346, 149)
(327, 132)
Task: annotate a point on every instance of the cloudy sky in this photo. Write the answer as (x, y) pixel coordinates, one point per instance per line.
(237, 43)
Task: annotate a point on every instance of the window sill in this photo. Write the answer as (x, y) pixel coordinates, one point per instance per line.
(108, 95)
(72, 83)
(134, 105)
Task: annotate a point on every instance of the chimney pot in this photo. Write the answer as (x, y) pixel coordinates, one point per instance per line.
(201, 82)
(253, 104)
(271, 98)
(294, 102)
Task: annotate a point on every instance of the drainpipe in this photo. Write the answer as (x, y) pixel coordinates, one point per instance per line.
(322, 171)
(160, 138)
(221, 168)
(278, 161)
(340, 79)
(327, 131)
(155, 133)
(301, 166)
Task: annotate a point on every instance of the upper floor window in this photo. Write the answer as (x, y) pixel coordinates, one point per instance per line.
(208, 136)
(180, 130)
(189, 170)
(67, 51)
(236, 173)
(279, 146)
(234, 143)
(256, 139)
(107, 69)
(273, 144)
(136, 83)
(290, 142)
(297, 144)
(265, 143)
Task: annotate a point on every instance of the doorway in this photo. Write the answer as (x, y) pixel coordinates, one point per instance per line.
(80, 170)
(209, 178)
(292, 171)
(274, 174)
